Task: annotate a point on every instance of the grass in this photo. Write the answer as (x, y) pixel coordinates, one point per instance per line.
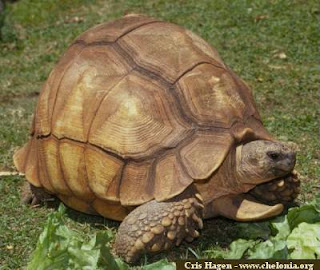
(272, 45)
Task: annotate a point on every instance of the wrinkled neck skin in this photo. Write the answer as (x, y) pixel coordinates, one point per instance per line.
(246, 172)
(225, 181)
(233, 175)
(224, 193)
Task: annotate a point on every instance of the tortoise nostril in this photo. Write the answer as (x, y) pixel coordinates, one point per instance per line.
(291, 160)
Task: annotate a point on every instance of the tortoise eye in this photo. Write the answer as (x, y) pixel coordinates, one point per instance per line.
(273, 156)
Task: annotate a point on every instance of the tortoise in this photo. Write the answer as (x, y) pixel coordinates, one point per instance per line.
(141, 122)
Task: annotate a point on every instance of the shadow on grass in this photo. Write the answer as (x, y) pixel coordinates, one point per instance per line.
(94, 221)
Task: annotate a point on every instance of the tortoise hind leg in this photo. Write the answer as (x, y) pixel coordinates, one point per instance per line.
(34, 195)
(156, 226)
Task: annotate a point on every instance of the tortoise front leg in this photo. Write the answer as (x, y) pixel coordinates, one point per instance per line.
(156, 226)
(283, 190)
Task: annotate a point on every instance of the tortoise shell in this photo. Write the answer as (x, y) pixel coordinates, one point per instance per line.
(135, 110)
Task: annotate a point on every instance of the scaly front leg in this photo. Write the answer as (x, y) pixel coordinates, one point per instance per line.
(156, 226)
(282, 190)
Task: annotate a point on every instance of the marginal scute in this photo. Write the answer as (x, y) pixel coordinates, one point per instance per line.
(170, 178)
(137, 119)
(109, 209)
(165, 49)
(26, 161)
(72, 161)
(241, 133)
(205, 153)
(259, 130)
(31, 167)
(50, 157)
(210, 96)
(136, 183)
(43, 173)
(88, 80)
(104, 172)
(20, 157)
(77, 204)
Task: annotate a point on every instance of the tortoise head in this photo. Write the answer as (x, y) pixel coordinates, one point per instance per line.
(257, 162)
(261, 161)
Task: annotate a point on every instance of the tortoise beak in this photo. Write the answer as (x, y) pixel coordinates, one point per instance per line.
(243, 207)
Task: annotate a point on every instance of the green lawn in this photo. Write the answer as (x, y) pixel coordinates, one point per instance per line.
(272, 45)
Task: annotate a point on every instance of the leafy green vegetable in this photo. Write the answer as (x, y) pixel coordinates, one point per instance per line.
(308, 246)
(271, 248)
(306, 213)
(256, 230)
(280, 227)
(293, 236)
(60, 248)
(236, 250)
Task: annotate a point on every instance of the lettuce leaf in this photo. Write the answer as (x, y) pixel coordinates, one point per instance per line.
(60, 248)
(308, 246)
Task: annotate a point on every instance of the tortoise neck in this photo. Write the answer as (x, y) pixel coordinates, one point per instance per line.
(246, 173)
(225, 181)
(241, 176)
